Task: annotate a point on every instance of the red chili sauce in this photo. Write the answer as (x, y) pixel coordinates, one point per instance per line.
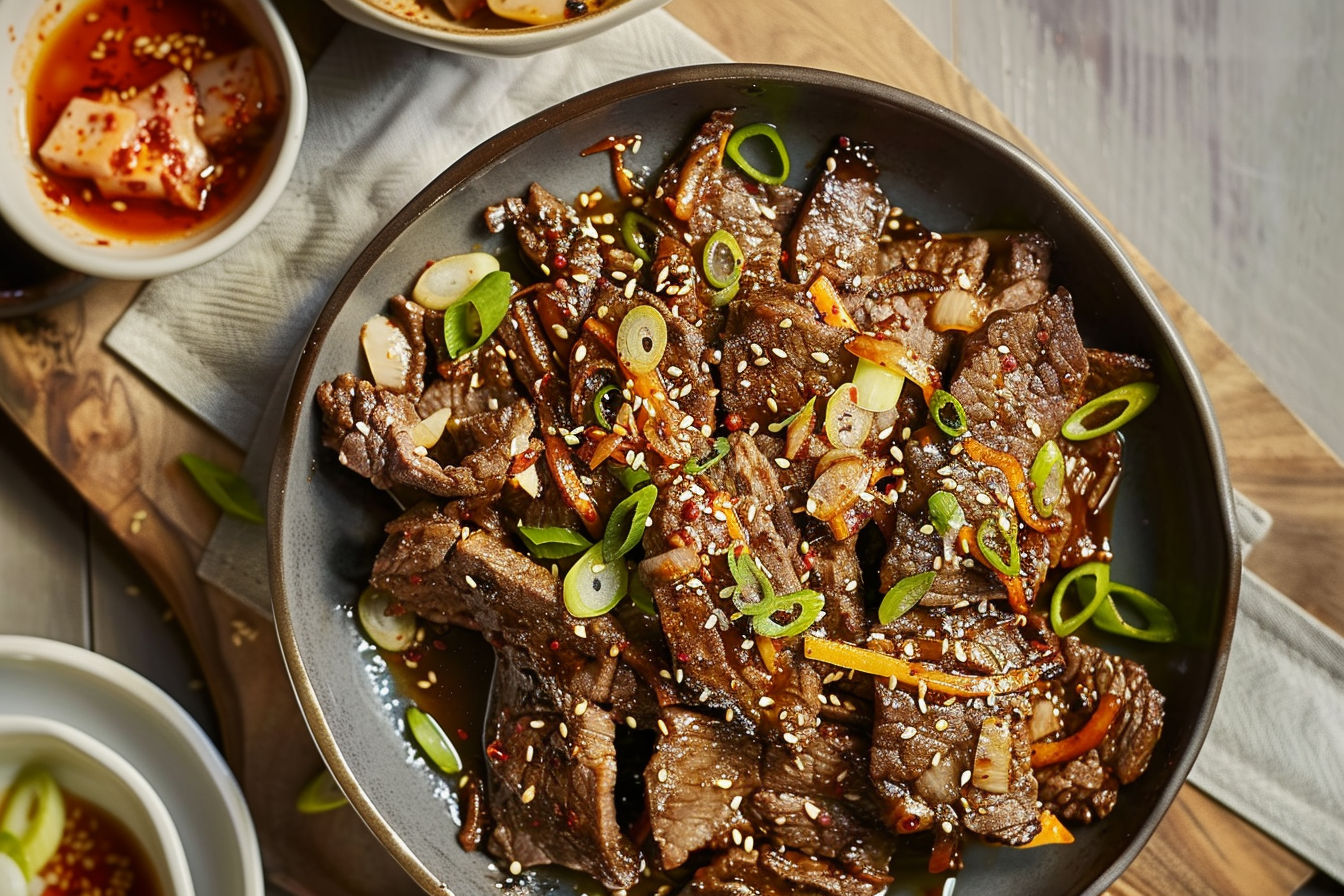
(125, 46)
(97, 855)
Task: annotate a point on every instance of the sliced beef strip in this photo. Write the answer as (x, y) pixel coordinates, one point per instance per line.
(702, 771)
(837, 575)
(552, 791)
(410, 565)
(959, 260)
(557, 242)
(683, 287)
(842, 217)
(1016, 400)
(914, 551)
(898, 305)
(1084, 788)
(370, 429)
(773, 350)
(1111, 370)
(1092, 468)
(768, 872)
(1019, 271)
(476, 383)
(808, 873)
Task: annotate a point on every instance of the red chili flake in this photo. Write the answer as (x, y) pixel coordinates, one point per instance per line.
(552, 234)
(413, 654)
(810, 559)
(494, 751)
(844, 142)
(784, 256)
(733, 421)
(559, 261)
(1009, 363)
(555, 645)
(439, 645)
(1042, 337)
(683, 658)
(690, 511)
(571, 819)
(908, 823)
(462, 734)
(824, 819)
(417, 580)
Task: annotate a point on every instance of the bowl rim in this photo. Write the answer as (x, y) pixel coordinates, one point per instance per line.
(30, 222)
(115, 765)
(502, 144)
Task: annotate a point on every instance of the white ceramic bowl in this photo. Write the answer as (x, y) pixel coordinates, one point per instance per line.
(429, 24)
(86, 768)
(28, 211)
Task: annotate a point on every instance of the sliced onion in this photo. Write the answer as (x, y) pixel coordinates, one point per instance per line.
(428, 431)
(641, 340)
(889, 353)
(35, 815)
(837, 489)
(388, 631)
(847, 424)
(833, 457)
(670, 565)
(529, 481)
(592, 587)
(956, 309)
(879, 388)
(939, 783)
(447, 280)
(13, 880)
(388, 353)
(800, 428)
(531, 12)
(1043, 721)
(993, 757)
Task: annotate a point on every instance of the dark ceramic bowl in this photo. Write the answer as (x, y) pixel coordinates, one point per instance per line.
(1173, 527)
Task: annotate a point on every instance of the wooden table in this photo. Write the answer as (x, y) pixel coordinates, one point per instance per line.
(114, 438)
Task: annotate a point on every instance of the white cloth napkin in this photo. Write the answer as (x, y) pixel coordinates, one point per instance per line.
(385, 117)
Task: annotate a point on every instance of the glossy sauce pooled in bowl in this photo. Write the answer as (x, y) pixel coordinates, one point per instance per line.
(148, 118)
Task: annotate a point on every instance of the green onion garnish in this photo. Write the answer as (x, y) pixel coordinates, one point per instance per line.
(34, 815)
(431, 739)
(470, 321)
(1013, 565)
(633, 227)
(552, 542)
(640, 595)
(1159, 623)
(945, 513)
(1047, 479)
(593, 587)
(904, 595)
(226, 489)
(722, 260)
(632, 479)
(721, 297)
(599, 413)
(625, 526)
(750, 578)
(1135, 396)
(940, 402)
(720, 451)
(641, 339)
(10, 846)
(321, 794)
(781, 425)
(809, 605)
(770, 133)
(1100, 576)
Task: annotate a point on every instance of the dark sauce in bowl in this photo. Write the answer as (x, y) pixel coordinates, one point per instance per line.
(98, 854)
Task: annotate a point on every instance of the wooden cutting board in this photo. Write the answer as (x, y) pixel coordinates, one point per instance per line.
(116, 438)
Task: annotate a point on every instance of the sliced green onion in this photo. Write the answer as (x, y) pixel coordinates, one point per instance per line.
(770, 133)
(641, 339)
(226, 489)
(593, 587)
(1013, 565)
(633, 226)
(750, 578)
(878, 388)
(599, 413)
(722, 259)
(945, 513)
(431, 739)
(552, 542)
(846, 424)
(780, 425)
(1047, 479)
(629, 477)
(625, 526)
(11, 851)
(1159, 623)
(1100, 576)
(390, 631)
(35, 815)
(1136, 398)
(719, 453)
(904, 595)
(721, 297)
(472, 319)
(322, 794)
(809, 605)
(940, 402)
(640, 595)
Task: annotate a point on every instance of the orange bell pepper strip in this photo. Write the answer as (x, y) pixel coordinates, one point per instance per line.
(1082, 740)
(1017, 482)
(827, 302)
(1052, 831)
(861, 659)
(1017, 592)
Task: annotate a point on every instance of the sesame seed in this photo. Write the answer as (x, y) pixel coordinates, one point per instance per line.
(723, 783)
(471, 583)
(749, 844)
(821, 357)
(580, 353)
(782, 463)
(581, 630)
(908, 733)
(662, 776)
(779, 352)
(1003, 349)
(737, 836)
(530, 793)
(581, 708)
(811, 810)
(786, 323)
(940, 725)
(947, 827)
(630, 722)
(662, 726)
(761, 362)
(728, 715)
(765, 702)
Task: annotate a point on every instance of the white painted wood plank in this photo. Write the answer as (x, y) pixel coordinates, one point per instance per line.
(43, 546)
(1207, 132)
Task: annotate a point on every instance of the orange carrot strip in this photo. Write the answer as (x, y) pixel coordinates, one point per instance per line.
(1052, 831)
(861, 659)
(1082, 740)
(1017, 483)
(827, 301)
(1017, 592)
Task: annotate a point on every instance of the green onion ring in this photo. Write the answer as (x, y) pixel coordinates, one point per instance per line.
(631, 479)
(641, 339)
(430, 737)
(1049, 461)
(945, 513)
(594, 588)
(632, 223)
(1011, 567)
(598, 414)
(768, 131)
(484, 305)
(625, 526)
(719, 453)
(718, 242)
(1100, 573)
(741, 566)
(1160, 623)
(809, 603)
(937, 403)
(721, 297)
(1136, 397)
(904, 595)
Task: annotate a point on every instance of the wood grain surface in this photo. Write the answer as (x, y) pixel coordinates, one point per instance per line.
(116, 439)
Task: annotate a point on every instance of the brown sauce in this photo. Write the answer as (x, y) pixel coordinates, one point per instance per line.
(98, 855)
(92, 50)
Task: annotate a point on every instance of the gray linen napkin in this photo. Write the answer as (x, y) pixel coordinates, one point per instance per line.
(385, 117)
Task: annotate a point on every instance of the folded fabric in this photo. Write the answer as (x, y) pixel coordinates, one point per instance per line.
(386, 117)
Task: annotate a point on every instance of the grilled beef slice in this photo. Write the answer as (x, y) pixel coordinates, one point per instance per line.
(842, 217)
